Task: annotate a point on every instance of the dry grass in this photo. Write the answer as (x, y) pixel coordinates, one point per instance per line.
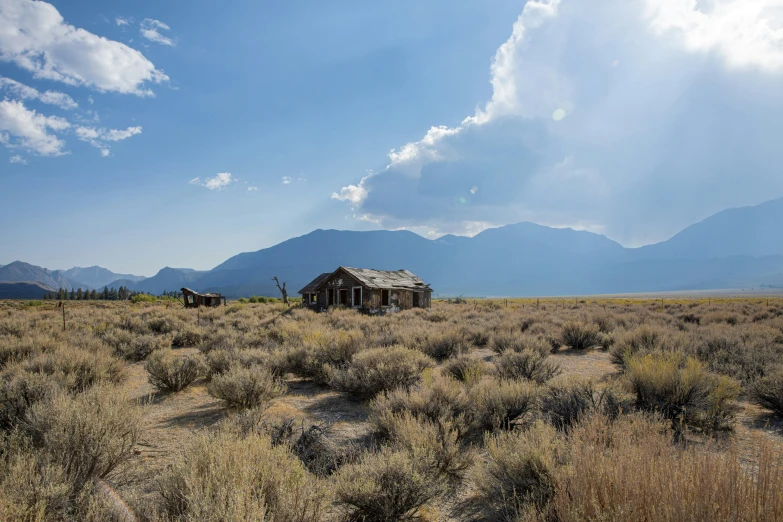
(168, 372)
(453, 413)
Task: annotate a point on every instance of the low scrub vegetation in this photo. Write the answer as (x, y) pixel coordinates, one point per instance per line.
(171, 373)
(768, 392)
(242, 388)
(377, 370)
(621, 410)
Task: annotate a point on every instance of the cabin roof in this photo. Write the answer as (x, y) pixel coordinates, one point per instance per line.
(386, 279)
(187, 291)
(312, 286)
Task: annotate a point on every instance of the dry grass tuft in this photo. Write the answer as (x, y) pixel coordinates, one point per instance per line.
(230, 478)
(170, 372)
(242, 388)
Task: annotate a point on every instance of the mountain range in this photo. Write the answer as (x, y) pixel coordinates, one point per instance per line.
(735, 248)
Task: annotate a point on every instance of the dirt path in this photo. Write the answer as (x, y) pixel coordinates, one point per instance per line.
(174, 418)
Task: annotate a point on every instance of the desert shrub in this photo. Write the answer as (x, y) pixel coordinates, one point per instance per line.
(497, 403)
(606, 340)
(565, 402)
(49, 466)
(527, 364)
(320, 353)
(679, 388)
(465, 368)
(160, 325)
(433, 443)
(604, 321)
(116, 338)
(641, 340)
(187, 336)
(478, 337)
(76, 369)
(19, 391)
(385, 486)
(376, 370)
(133, 324)
(219, 361)
(720, 317)
(140, 347)
(227, 477)
(433, 399)
(519, 472)
(628, 470)
(13, 326)
(446, 344)
(171, 372)
(518, 342)
(767, 391)
(580, 336)
(690, 318)
(241, 388)
(742, 352)
(13, 349)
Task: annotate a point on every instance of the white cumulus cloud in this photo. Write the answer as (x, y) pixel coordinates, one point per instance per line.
(150, 29)
(23, 128)
(98, 138)
(35, 37)
(17, 159)
(219, 181)
(602, 113)
(25, 92)
(286, 180)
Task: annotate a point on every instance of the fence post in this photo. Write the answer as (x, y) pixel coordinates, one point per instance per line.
(63, 304)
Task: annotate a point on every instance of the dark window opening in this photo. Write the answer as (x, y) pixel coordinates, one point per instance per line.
(330, 297)
(357, 297)
(343, 297)
(384, 298)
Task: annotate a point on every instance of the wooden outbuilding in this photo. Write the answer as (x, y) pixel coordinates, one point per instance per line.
(193, 299)
(371, 290)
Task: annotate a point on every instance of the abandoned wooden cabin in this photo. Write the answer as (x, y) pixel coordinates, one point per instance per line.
(372, 290)
(193, 299)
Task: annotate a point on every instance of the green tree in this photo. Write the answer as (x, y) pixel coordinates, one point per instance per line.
(105, 293)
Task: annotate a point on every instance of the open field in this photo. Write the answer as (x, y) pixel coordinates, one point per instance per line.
(508, 410)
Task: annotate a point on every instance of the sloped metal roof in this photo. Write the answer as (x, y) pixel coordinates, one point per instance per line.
(187, 291)
(384, 278)
(313, 285)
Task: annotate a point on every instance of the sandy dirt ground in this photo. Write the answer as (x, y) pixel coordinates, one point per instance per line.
(174, 418)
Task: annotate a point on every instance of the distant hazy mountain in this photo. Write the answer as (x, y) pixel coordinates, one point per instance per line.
(736, 248)
(166, 279)
(25, 272)
(96, 276)
(23, 290)
(754, 231)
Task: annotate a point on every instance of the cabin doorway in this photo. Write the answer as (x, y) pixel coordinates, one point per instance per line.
(357, 297)
(329, 296)
(344, 297)
(416, 299)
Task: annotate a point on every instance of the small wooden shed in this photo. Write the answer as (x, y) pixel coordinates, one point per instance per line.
(193, 299)
(372, 290)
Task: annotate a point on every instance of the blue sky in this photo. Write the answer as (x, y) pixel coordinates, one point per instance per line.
(132, 132)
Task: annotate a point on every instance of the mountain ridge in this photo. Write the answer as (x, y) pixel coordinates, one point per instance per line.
(737, 247)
